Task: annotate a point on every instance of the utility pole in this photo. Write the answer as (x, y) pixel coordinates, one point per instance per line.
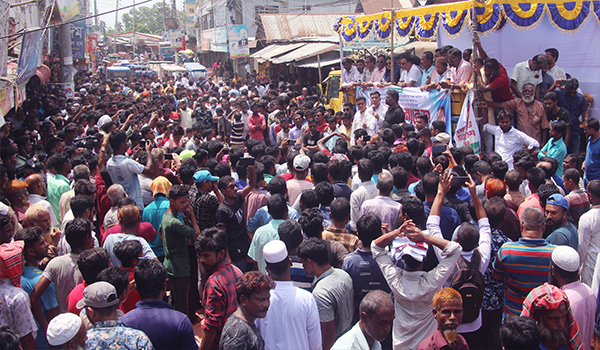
(392, 14)
(133, 41)
(116, 24)
(96, 17)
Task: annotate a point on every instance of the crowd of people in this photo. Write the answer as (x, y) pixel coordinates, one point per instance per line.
(173, 214)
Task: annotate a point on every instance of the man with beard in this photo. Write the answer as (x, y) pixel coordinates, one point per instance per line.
(376, 319)
(564, 273)
(562, 232)
(448, 312)
(530, 113)
(550, 307)
(253, 293)
(66, 331)
(555, 113)
(219, 295)
(508, 139)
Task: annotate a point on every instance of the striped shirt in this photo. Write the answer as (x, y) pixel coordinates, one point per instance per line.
(526, 265)
(237, 133)
(578, 203)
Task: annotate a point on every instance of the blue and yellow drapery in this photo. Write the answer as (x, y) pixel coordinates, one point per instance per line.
(424, 22)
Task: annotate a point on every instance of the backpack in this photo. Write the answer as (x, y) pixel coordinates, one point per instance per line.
(469, 282)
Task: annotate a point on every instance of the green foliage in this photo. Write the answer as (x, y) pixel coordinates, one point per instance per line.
(147, 19)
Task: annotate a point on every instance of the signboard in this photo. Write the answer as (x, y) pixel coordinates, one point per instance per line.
(176, 39)
(67, 9)
(92, 42)
(220, 40)
(237, 36)
(78, 40)
(435, 104)
(30, 52)
(467, 131)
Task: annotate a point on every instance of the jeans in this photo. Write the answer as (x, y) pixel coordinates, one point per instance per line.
(575, 143)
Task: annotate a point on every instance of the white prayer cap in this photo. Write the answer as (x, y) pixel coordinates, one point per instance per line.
(566, 258)
(275, 252)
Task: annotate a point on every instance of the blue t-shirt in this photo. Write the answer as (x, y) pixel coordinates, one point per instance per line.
(166, 328)
(30, 277)
(592, 160)
(449, 219)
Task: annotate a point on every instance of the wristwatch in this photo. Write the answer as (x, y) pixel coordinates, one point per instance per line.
(103, 149)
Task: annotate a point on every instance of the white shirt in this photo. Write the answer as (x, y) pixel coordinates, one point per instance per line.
(485, 250)
(413, 74)
(37, 199)
(413, 294)
(364, 117)
(367, 190)
(113, 239)
(522, 74)
(589, 245)
(557, 73)
(292, 321)
(350, 77)
(381, 111)
(508, 143)
(354, 339)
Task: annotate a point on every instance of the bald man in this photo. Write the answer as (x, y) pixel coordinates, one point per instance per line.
(387, 209)
(115, 193)
(129, 219)
(37, 191)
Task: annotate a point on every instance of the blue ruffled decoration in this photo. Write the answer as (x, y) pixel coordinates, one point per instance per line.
(383, 27)
(453, 21)
(407, 23)
(524, 14)
(426, 26)
(488, 20)
(569, 15)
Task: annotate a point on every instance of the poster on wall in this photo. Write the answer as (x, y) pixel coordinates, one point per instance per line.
(176, 39)
(28, 60)
(67, 9)
(237, 36)
(78, 40)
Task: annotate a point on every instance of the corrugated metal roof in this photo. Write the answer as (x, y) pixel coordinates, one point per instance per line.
(306, 51)
(315, 63)
(279, 27)
(276, 50)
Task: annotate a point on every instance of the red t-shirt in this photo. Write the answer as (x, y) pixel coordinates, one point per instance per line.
(501, 87)
(134, 296)
(145, 230)
(287, 176)
(74, 297)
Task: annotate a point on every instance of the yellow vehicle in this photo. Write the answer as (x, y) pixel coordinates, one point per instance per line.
(333, 95)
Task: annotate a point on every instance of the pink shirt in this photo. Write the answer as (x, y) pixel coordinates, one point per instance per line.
(462, 74)
(377, 75)
(583, 306)
(257, 124)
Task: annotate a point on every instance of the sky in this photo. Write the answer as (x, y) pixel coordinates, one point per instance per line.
(108, 5)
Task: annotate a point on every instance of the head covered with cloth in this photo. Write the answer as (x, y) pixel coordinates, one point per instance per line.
(550, 307)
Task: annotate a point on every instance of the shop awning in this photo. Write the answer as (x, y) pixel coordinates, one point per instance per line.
(43, 72)
(306, 51)
(275, 50)
(315, 64)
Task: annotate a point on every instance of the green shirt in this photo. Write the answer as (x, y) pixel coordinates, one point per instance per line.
(175, 234)
(262, 236)
(57, 185)
(555, 149)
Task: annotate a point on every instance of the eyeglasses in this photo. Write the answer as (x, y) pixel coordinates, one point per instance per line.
(380, 61)
(231, 187)
(528, 90)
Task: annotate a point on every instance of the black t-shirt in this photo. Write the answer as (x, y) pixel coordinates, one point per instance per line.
(232, 217)
(240, 335)
(562, 114)
(311, 140)
(394, 116)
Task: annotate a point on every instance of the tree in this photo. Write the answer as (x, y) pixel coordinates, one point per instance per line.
(148, 19)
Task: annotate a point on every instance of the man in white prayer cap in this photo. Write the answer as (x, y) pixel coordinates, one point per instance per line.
(66, 331)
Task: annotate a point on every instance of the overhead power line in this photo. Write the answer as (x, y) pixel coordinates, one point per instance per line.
(75, 20)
